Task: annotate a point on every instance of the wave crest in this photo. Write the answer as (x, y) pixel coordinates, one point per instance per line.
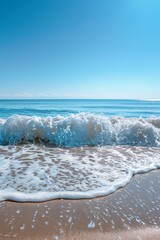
(80, 130)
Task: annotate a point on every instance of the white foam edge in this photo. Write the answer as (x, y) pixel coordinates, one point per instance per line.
(46, 196)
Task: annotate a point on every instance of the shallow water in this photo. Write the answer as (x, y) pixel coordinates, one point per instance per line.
(39, 173)
(75, 148)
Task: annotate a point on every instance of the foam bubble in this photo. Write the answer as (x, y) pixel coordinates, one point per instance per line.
(80, 130)
(38, 173)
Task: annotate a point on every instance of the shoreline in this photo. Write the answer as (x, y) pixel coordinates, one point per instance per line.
(132, 210)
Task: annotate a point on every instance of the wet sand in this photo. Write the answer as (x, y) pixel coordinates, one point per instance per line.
(132, 212)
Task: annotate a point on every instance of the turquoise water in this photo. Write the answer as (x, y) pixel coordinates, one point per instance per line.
(75, 123)
(75, 148)
(43, 108)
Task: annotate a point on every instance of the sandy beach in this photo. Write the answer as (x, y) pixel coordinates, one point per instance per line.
(132, 212)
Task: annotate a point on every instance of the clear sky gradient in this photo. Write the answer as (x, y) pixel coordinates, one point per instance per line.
(80, 49)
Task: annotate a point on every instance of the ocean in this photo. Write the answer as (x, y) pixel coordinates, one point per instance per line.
(75, 148)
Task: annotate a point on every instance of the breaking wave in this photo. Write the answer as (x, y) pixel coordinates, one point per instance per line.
(83, 129)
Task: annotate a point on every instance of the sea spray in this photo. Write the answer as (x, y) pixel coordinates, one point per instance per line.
(83, 129)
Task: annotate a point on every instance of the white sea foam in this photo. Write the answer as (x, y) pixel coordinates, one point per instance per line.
(38, 173)
(31, 172)
(80, 130)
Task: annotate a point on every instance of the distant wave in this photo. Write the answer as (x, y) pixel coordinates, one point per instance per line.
(150, 100)
(80, 130)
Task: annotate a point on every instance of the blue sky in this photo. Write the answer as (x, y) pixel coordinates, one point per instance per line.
(80, 49)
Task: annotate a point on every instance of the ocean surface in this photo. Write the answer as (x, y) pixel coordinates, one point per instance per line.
(75, 148)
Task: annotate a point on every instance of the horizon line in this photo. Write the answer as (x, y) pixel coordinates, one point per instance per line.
(144, 99)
